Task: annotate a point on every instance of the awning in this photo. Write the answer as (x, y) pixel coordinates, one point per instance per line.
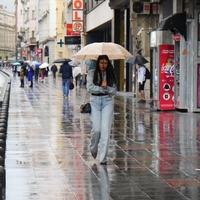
(119, 4)
(175, 23)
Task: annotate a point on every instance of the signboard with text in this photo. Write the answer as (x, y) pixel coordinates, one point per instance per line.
(70, 32)
(70, 40)
(166, 91)
(77, 15)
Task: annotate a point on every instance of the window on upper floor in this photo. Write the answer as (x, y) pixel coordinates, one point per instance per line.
(91, 4)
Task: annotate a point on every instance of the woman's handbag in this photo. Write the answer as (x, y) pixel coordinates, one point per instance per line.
(71, 85)
(85, 108)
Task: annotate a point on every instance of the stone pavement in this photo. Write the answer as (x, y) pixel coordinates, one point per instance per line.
(153, 155)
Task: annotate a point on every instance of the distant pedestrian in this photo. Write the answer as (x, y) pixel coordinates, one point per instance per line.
(141, 81)
(54, 70)
(101, 84)
(22, 75)
(37, 69)
(77, 75)
(42, 75)
(30, 75)
(67, 77)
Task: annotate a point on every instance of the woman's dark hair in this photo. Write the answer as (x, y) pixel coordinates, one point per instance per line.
(110, 75)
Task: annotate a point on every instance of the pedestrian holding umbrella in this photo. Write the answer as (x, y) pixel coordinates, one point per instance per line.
(42, 68)
(101, 84)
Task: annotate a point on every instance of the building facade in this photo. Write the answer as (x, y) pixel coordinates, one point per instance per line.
(7, 34)
(179, 28)
(26, 19)
(41, 30)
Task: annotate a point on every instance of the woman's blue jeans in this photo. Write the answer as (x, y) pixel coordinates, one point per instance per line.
(65, 84)
(101, 117)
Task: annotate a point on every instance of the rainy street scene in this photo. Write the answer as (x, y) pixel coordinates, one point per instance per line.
(100, 100)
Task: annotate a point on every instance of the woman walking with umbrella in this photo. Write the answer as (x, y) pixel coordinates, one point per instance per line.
(101, 84)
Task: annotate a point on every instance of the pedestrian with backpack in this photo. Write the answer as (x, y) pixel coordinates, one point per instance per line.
(141, 82)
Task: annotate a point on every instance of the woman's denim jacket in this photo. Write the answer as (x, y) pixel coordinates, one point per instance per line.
(95, 89)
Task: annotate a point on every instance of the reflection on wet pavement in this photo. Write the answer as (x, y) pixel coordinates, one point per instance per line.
(152, 155)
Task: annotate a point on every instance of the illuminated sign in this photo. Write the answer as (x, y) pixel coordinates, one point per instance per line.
(70, 32)
(70, 40)
(77, 15)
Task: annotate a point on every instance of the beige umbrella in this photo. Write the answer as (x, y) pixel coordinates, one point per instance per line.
(112, 50)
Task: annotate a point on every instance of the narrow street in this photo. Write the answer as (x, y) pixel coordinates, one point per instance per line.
(153, 155)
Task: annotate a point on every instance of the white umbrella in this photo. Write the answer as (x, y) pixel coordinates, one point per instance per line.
(76, 71)
(43, 65)
(112, 50)
(74, 62)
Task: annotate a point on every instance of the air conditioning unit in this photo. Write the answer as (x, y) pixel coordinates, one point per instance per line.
(142, 7)
(145, 8)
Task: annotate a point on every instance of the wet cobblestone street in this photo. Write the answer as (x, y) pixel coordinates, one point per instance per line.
(152, 156)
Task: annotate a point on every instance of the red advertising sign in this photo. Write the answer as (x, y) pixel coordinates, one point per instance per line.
(70, 32)
(166, 77)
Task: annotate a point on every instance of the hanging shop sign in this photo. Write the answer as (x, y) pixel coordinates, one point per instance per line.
(70, 32)
(70, 40)
(77, 15)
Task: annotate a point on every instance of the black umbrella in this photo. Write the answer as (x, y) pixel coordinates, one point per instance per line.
(138, 59)
(176, 23)
(61, 60)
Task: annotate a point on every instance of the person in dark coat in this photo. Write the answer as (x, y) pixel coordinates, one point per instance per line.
(54, 69)
(67, 77)
(37, 69)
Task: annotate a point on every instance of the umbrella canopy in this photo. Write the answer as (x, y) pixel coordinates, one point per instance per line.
(16, 63)
(43, 65)
(138, 59)
(76, 71)
(35, 63)
(112, 50)
(74, 63)
(61, 60)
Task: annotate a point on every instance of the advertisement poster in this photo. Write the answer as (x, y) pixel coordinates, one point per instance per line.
(166, 91)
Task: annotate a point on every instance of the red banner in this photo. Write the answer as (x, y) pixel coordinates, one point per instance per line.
(167, 77)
